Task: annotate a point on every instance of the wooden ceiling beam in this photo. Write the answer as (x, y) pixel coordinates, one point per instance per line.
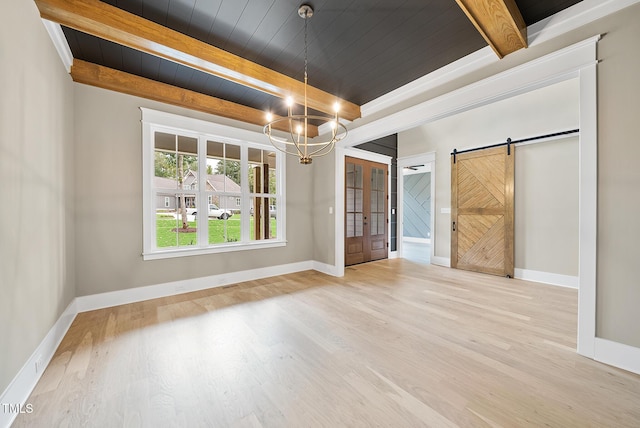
(500, 23)
(110, 23)
(115, 80)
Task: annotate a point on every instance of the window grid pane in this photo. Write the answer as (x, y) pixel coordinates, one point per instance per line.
(177, 184)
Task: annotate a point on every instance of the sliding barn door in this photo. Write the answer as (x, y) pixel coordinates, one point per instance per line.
(365, 211)
(482, 211)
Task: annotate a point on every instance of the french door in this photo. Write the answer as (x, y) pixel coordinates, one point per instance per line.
(482, 211)
(366, 221)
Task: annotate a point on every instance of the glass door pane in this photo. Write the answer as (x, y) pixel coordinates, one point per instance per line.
(377, 202)
(354, 200)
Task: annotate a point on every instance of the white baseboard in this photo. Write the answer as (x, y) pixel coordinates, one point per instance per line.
(617, 354)
(547, 278)
(608, 352)
(138, 294)
(416, 240)
(441, 261)
(393, 255)
(25, 381)
(325, 268)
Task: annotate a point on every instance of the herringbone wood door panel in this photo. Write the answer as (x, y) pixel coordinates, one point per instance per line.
(482, 204)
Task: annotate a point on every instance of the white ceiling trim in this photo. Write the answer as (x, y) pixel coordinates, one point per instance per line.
(540, 72)
(60, 43)
(561, 23)
(574, 17)
(465, 65)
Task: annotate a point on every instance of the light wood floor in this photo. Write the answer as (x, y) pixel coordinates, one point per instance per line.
(393, 343)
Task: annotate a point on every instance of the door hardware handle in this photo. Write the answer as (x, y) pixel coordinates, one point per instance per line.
(454, 226)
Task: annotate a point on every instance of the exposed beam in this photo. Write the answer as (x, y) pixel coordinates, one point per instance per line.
(499, 22)
(115, 80)
(110, 23)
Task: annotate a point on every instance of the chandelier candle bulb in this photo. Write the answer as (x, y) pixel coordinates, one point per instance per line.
(298, 143)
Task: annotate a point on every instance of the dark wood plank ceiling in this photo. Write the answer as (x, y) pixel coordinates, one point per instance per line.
(358, 49)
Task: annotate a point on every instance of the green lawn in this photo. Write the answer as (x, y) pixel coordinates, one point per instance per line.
(219, 231)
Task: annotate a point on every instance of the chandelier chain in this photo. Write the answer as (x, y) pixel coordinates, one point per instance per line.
(305, 47)
(299, 143)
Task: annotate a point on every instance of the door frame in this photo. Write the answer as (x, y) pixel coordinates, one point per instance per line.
(578, 60)
(428, 158)
(340, 195)
(367, 168)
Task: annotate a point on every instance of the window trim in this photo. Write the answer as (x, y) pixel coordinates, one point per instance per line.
(152, 121)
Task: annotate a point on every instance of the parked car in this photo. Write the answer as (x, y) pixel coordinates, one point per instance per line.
(216, 212)
(272, 211)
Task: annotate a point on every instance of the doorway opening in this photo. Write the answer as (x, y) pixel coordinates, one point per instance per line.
(416, 213)
(366, 206)
(416, 206)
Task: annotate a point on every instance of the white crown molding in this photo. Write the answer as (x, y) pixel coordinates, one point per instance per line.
(366, 155)
(556, 25)
(574, 17)
(60, 43)
(555, 67)
(441, 76)
(547, 278)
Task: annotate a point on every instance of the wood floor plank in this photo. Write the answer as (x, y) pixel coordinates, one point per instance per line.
(392, 343)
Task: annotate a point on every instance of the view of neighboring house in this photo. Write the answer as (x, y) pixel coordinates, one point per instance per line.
(167, 198)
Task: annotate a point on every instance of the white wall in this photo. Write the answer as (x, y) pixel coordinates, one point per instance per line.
(36, 187)
(546, 193)
(540, 112)
(618, 270)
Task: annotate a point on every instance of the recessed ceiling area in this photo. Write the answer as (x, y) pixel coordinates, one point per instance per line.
(358, 50)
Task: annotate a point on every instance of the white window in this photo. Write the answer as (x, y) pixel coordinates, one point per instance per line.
(238, 175)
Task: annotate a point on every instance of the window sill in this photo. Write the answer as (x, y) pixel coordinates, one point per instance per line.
(228, 248)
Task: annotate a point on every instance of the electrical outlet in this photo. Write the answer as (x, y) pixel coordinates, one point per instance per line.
(39, 364)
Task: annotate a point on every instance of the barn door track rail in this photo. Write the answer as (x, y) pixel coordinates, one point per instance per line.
(509, 142)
